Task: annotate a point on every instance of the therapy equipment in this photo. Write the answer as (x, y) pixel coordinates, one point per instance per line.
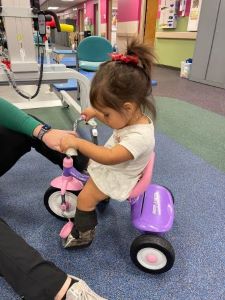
(18, 19)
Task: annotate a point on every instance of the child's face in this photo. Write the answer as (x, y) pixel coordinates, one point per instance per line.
(113, 118)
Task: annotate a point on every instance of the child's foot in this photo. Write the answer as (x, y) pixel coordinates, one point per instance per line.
(82, 239)
(81, 291)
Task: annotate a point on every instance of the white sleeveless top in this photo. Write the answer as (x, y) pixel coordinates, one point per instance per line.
(117, 181)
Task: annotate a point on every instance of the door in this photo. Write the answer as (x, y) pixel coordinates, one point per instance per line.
(96, 12)
(150, 21)
(112, 6)
(81, 23)
(109, 19)
(216, 66)
(209, 55)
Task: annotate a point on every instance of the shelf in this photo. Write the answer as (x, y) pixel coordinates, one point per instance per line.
(176, 35)
(126, 34)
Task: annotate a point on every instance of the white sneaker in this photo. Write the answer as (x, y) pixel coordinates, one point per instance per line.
(81, 291)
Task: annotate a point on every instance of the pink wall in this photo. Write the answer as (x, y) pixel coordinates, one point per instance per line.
(128, 12)
(90, 9)
(103, 11)
(80, 6)
(188, 7)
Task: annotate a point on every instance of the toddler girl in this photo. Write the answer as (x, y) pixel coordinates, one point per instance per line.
(120, 96)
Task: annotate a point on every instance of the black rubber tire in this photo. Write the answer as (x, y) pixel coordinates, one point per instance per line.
(153, 241)
(48, 193)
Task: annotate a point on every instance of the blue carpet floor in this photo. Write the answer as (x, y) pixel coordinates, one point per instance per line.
(198, 235)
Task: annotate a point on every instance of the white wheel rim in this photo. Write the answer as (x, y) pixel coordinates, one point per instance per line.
(151, 258)
(55, 201)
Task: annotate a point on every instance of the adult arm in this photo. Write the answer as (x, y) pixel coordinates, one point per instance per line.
(15, 119)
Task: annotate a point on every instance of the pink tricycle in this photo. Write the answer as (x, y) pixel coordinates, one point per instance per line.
(152, 213)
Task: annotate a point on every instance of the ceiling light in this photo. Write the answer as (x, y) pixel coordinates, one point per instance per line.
(53, 7)
(67, 0)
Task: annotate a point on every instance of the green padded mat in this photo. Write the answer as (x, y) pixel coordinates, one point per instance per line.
(201, 131)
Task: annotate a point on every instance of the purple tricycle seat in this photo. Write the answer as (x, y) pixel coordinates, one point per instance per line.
(153, 211)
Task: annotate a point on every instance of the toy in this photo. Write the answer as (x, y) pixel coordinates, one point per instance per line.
(152, 213)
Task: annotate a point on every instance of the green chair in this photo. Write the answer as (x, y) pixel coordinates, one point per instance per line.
(91, 52)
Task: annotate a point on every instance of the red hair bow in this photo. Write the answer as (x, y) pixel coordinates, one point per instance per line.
(7, 63)
(133, 59)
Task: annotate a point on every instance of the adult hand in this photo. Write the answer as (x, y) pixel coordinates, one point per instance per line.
(53, 137)
(89, 113)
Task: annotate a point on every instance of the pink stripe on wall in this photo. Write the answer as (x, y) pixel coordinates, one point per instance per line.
(90, 9)
(188, 6)
(158, 15)
(129, 10)
(103, 11)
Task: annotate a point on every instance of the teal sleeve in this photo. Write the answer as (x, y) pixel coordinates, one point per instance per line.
(15, 119)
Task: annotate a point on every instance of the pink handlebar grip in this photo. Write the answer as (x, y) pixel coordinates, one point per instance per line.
(67, 162)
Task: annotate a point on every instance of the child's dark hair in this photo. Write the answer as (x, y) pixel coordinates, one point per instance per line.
(117, 82)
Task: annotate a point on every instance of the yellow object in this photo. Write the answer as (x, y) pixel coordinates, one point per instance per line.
(67, 28)
(19, 37)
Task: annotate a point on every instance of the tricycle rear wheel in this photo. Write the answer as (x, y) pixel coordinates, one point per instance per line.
(152, 254)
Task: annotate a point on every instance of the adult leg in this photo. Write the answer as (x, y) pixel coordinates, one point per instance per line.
(80, 161)
(25, 270)
(34, 278)
(14, 145)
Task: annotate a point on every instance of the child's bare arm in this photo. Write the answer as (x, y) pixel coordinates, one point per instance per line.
(90, 113)
(100, 154)
(99, 116)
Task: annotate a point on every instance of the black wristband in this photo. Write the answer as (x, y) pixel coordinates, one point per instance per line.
(44, 129)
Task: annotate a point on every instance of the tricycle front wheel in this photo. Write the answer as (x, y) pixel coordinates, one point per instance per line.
(53, 203)
(152, 254)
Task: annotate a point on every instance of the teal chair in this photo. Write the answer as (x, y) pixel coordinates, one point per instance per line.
(91, 52)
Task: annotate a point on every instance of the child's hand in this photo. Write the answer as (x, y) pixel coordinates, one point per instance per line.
(89, 113)
(68, 141)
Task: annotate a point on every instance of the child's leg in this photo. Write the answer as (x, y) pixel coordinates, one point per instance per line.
(89, 197)
(85, 219)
